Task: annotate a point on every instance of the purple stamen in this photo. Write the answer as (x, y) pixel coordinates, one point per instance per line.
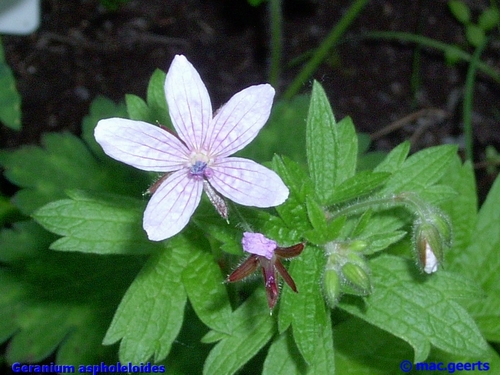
(197, 170)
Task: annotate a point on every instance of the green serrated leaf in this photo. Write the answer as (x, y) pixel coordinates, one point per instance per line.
(47, 172)
(305, 310)
(293, 211)
(362, 224)
(346, 150)
(381, 241)
(151, 313)
(331, 148)
(23, 241)
(324, 359)
(363, 349)
(460, 10)
(64, 162)
(320, 143)
(487, 317)
(421, 170)
(421, 313)
(204, 286)
(283, 357)
(156, 100)
(462, 209)
(358, 185)
(213, 336)
(252, 327)
(316, 214)
(10, 100)
(96, 223)
(55, 300)
(480, 262)
(395, 159)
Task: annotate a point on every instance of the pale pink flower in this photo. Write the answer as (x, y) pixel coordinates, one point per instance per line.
(266, 253)
(197, 158)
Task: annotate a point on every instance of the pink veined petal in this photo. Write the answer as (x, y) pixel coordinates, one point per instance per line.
(188, 102)
(171, 206)
(239, 121)
(248, 183)
(258, 244)
(141, 145)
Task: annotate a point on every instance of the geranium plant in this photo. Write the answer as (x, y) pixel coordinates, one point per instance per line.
(384, 261)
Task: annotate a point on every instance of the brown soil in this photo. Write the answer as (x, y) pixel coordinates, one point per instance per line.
(82, 50)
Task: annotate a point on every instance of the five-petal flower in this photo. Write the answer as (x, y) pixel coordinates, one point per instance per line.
(267, 253)
(198, 157)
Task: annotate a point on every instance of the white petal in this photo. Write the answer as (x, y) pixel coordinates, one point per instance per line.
(431, 262)
(188, 102)
(171, 206)
(239, 121)
(248, 183)
(141, 145)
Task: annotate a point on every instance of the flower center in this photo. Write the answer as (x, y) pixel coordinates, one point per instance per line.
(200, 170)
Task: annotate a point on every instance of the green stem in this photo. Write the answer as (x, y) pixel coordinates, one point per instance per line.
(276, 22)
(410, 200)
(324, 48)
(431, 43)
(468, 98)
(358, 207)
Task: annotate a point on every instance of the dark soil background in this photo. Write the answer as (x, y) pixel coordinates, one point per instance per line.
(82, 49)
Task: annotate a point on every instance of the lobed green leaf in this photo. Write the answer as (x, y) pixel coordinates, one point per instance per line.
(64, 162)
(480, 261)
(421, 170)
(151, 313)
(364, 349)
(96, 223)
(23, 241)
(283, 357)
(419, 309)
(305, 310)
(462, 210)
(358, 185)
(51, 300)
(331, 148)
(395, 159)
(252, 327)
(320, 143)
(293, 211)
(204, 286)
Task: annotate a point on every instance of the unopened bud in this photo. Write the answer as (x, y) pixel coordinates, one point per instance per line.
(331, 287)
(356, 279)
(432, 237)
